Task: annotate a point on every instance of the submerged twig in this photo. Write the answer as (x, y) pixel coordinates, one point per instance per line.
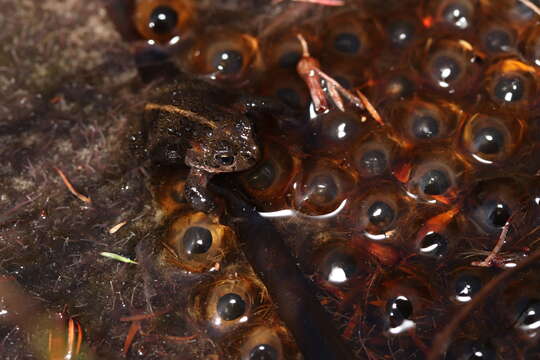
(70, 187)
(440, 342)
(490, 259)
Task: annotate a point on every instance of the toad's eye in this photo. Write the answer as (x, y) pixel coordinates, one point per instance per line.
(450, 67)
(227, 62)
(224, 159)
(162, 20)
(225, 55)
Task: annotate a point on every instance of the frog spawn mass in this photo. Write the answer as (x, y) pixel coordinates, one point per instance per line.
(402, 224)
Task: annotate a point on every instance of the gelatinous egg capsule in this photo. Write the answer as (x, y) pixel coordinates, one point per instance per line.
(402, 302)
(227, 304)
(271, 178)
(346, 72)
(196, 242)
(471, 349)
(283, 50)
(497, 37)
(322, 187)
(374, 155)
(421, 121)
(392, 86)
(521, 306)
(491, 139)
(530, 45)
(338, 263)
(401, 32)
(225, 55)
(511, 84)
(336, 131)
(264, 342)
(163, 21)
(451, 67)
(434, 244)
(516, 12)
(346, 35)
(451, 14)
(378, 212)
(491, 202)
(467, 281)
(169, 193)
(435, 175)
(286, 86)
(437, 235)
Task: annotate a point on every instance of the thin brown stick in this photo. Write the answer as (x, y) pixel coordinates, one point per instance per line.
(117, 227)
(132, 332)
(370, 108)
(79, 338)
(71, 189)
(441, 340)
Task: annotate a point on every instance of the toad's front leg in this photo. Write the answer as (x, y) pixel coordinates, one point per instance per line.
(196, 191)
